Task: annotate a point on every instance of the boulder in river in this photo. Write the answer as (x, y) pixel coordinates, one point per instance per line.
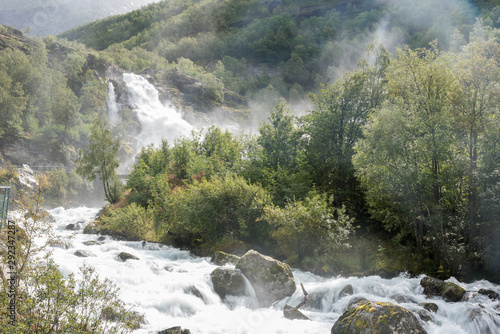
(431, 307)
(123, 256)
(292, 313)
(490, 293)
(222, 258)
(450, 292)
(368, 317)
(228, 281)
(175, 330)
(346, 291)
(271, 279)
(83, 253)
(92, 243)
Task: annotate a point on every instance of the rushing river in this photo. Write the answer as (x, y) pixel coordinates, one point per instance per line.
(173, 288)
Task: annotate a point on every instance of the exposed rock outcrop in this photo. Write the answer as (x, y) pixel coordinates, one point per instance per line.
(450, 292)
(376, 317)
(271, 279)
(228, 281)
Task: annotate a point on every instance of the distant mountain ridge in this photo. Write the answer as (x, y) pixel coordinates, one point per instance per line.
(51, 17)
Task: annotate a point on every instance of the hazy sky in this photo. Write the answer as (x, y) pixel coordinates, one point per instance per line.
(51, 17)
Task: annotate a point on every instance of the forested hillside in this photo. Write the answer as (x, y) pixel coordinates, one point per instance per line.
(396, 157)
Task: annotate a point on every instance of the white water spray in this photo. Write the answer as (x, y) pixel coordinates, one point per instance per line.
(113, 107)
(173, 288)
(157, 120)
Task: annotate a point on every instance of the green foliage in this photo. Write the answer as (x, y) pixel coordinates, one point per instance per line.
(309, 227)
(225, 207)
(46, 302)
(132, 221)
(100, 159)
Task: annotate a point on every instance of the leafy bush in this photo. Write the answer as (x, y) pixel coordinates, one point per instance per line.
(132, 222)
(226, 207)
(309, 227)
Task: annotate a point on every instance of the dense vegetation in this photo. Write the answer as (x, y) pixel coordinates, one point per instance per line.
(282, 48)
(404, 146)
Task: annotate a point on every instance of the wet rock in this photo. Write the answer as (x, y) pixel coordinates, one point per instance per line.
(450, 292)
(490, 293)
(271, 279)
(70, 227)
(123, 256)
(346, 291)
(355, 300)
(228, 281)
(315, 300)
(292, 313)
(431, 307)
(376, 317)
(400, 298)
(92, 243)
(101, 238)
(424, 315)
(175, 330)
(221, 258)
(83, 253)
(192, 290)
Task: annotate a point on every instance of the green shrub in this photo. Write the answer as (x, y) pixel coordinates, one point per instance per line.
(132, 222)
(309, 227)
(222, 208)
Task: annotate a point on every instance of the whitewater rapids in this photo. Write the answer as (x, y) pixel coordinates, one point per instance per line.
(173, 288)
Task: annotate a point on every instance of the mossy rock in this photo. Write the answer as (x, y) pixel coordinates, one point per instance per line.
(450, 292)
(271, 279)
(222, 258)
(228, 281)
(368, 317)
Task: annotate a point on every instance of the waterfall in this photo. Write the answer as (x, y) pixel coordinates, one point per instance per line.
(113, 107)
(173, 288)
(157, 120)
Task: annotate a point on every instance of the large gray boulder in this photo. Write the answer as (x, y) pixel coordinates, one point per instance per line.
(368, 317)
(228, 281)
(271, 279)
(450, 292)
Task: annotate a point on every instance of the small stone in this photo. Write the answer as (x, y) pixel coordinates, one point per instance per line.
(82, 253)
(70, 227)
(431, 307)
(123, 256)
(91, 243)
(292, 313)
(346, 291)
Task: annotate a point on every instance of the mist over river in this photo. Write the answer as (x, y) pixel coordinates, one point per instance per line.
(173, 288)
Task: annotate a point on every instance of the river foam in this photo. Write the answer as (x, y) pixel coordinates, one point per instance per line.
(173, 288)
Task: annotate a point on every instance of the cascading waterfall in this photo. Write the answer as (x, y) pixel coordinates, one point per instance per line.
(113, 107)
(157, 120)
(173, 288)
